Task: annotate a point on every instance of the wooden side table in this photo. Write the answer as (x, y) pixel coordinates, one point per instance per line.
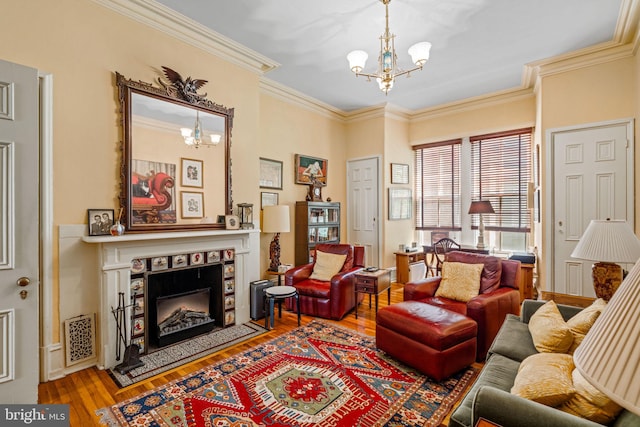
(403, 259)
(276, 273)
(373, 283)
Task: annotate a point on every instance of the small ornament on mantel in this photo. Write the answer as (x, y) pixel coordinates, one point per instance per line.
(117, 229)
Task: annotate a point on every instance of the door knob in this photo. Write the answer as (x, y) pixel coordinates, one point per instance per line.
(23, 281)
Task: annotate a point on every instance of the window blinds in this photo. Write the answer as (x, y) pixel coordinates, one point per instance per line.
(501, 171)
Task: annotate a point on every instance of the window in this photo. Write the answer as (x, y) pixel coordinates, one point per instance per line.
(501, 171)
(437, 184)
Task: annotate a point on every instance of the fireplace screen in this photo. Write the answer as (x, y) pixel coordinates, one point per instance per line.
(183, 311)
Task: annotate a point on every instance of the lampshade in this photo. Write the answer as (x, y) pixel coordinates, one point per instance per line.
(420, 52)
(481, 207)
(357, 59)
(608, 241)
(609, 355)
(275, 219)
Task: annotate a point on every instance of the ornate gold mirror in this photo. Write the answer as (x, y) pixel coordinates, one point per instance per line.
(176, 164)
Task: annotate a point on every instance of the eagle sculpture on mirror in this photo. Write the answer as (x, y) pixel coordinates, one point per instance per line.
(186, 88)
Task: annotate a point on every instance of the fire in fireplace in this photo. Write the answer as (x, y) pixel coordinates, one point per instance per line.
(182, 311)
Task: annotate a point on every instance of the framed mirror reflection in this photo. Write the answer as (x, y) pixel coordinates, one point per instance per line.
(172, 135)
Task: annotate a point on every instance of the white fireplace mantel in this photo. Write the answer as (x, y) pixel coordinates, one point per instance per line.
(116, 254)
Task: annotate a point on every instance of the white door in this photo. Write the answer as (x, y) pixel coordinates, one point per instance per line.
(593, 179)
(19, 231)
(364, 207)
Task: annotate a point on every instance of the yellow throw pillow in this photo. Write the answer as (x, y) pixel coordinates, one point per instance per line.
(549, 331)
(583, 321)
(460, 281)
(590, 403)
(327, 265)
(545, 378)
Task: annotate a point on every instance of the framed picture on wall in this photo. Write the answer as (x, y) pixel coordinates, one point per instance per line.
(268, 199)
(308, 167)
(192, 204)
(270, 174)
(192, 173)
(399, 173)
(399, 203)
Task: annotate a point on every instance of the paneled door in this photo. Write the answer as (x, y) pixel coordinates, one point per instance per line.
(364, 207)
(19, 234)
(592, 179)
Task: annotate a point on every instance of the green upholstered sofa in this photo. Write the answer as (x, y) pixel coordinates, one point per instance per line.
(490, 396)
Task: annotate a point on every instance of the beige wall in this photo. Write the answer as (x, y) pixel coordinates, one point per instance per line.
(287, 130)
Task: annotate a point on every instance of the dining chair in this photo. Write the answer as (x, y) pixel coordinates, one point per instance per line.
(440, 248)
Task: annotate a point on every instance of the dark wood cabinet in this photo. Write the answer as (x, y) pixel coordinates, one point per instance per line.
(316, 222)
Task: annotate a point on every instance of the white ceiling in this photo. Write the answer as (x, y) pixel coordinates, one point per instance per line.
(479, 46)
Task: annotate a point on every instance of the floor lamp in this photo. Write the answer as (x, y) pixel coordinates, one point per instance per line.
(607, 242)
(275, 219)
(481, 207)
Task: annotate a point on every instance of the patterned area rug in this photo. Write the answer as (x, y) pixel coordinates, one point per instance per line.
(178, 354)
(317, 375)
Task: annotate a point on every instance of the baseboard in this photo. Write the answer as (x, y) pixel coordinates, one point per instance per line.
(52, 362)
(567, 299)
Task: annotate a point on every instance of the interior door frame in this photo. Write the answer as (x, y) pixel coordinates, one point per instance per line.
(379, 183)
(549, 182)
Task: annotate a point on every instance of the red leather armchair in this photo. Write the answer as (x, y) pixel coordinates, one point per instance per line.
(498, 295)
(328, 299)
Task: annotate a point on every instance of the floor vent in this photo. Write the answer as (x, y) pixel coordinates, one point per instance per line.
(80, 338)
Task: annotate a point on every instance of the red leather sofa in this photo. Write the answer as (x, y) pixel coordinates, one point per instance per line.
(328, 299)
(499, 295)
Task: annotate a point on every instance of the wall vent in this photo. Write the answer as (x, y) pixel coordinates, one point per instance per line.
(80, 338)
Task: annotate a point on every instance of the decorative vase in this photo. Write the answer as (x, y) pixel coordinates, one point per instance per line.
(117, 229)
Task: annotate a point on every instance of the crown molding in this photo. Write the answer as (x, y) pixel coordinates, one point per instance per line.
(292, 96)
(627, 25)
(470, 104)
(160, 17)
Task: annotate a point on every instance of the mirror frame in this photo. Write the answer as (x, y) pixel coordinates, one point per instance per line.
(167, 91)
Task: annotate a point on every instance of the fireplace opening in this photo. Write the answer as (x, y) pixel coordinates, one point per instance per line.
(183, 303)
(182, 311)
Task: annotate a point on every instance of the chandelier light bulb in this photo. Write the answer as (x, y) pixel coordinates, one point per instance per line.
(420, 53)
(357, 59)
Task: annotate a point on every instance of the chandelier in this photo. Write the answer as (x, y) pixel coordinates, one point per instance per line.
(388, 70)
(197, 139)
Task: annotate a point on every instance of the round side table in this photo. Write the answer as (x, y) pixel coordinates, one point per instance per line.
(278, 293)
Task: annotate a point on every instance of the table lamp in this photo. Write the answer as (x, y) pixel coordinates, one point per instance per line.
(609, 356)
(481, 207)
(275, 219)
(607, 242)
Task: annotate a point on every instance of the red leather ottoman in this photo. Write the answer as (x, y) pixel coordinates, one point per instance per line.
(433, 340)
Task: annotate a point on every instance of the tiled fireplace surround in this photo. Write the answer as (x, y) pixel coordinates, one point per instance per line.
(115, 261)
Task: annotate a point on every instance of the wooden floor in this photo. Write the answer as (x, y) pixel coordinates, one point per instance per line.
(91, 389)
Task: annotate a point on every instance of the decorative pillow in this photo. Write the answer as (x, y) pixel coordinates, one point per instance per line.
(549, 331)
(590, 403)
(491, 273)
(545, 378)
(582, 322)
(327, 265)
(460, 281)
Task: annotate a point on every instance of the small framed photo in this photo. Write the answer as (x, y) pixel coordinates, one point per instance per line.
(270, 174)
(308, 168)
(192, 204)
(192, 172)
(268, 199)
(399, 173)
(100, 221)
(399, 203)
(232, 222)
